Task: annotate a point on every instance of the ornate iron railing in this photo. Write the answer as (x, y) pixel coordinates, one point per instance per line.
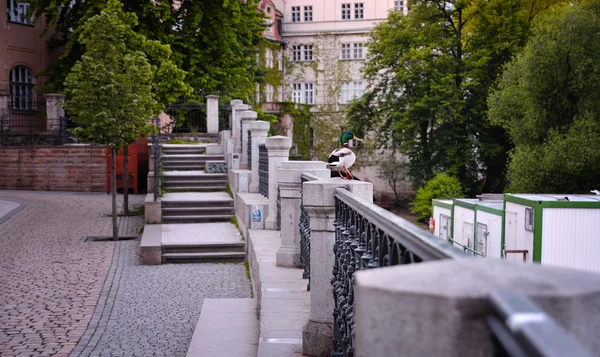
(520, 328)
(263, 171)
(304, 226)
(367, 237)
(249, 151)
(156, 152)
(278, 202)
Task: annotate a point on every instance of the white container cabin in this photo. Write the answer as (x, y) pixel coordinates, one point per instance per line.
(442, 214)
(560, 230)
(478, 226)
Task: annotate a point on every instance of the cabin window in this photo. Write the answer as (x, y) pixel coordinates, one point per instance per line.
(529, 219)
(481, 239)
(444, 227)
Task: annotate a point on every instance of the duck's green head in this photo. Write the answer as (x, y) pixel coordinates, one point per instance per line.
(346, 137)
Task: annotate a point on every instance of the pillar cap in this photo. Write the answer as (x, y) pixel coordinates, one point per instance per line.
(278, 143)
(259, 125)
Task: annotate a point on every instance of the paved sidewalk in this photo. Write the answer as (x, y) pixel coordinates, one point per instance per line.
(282, 297)
(60, 294)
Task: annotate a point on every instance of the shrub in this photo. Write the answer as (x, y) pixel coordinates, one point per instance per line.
(441, 186)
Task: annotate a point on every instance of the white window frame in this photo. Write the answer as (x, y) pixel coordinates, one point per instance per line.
(269, 93)
(350, 91)
(16, 12)
(303, 93)
(296, 53)
(481, 237)
(22, 88)
(347, 11)
(308, 13)
(358, 50)
(346, 51)
(529, 219)
(399, 5)
(296, 14)
(268, 58)
(307, 53)
(359, 10)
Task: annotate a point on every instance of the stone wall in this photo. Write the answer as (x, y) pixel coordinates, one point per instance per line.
(54, 168)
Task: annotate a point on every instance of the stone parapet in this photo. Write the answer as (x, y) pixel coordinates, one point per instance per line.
(258, 130)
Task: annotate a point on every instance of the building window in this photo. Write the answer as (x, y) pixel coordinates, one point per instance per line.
(296, 53)
(268, 58)
(346, 52)
(309, 97)
(358, 51)
(302, 53)
(359, 10)
(350, 91)
(352, 51)
(303, 93)
(22, 92)
(295, 13)
(529, 219)
(308, 52)
(481, 239)
(398, 5)
(308, 13)
(280, 60)
(345, 11)
(269, 93)
(17, 12)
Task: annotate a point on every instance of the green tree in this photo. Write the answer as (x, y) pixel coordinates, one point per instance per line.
(392, 170)
(109, 91)
(214, 41)
(549, 102)
(439, 187)
(432, 71)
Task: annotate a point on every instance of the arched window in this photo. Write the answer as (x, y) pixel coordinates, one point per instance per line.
(21, 88)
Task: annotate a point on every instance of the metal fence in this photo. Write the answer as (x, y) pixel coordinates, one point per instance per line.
(366, 237)
(156, 153)
(263, 170)
(186, 118)
(304, 226)
(224, 117)
(32, 128)
(249, 151)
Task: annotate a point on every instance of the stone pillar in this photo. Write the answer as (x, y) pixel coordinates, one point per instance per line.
(289, 177)
(420, 309)
(259, 130)
(247, 117)
(4, 112)
(237, 106)
(279, 151)
(54, 111)
(319, 202)
(212, 114)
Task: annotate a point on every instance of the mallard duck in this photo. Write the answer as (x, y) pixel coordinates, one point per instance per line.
(343, 157)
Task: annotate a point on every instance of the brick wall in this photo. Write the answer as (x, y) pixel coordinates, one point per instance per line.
(54, 168)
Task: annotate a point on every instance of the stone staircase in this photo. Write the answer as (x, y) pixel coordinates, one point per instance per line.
(196, 209)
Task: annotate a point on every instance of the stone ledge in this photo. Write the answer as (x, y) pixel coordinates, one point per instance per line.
(151, 245)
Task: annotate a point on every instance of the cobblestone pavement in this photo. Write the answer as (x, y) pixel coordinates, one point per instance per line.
(60, 294)
(49, 279)
(153, 310)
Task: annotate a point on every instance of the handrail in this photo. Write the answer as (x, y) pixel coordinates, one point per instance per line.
(520, 328)
(465, 248)
(422, 243)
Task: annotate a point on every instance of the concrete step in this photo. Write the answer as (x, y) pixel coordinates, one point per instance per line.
(212, 257)
(190, 211)
(226, 328)
(186, 158)
(196, 218)
(183, 166)
(231, 247)
(182, 177)
(191, 183)
(198, 188)
(197, 204)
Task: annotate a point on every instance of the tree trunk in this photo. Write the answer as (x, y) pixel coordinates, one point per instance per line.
(126, 180)
(113, 189)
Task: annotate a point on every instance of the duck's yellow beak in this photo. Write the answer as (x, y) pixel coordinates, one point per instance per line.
(357, 138)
